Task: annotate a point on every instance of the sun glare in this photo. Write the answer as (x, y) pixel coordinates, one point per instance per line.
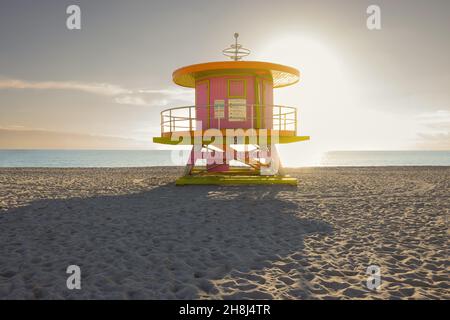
(331, 108)
(322, 96)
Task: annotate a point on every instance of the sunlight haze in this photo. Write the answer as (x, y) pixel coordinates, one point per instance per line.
(359, 89)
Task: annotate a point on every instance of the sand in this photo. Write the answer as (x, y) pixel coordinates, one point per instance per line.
(137, 236)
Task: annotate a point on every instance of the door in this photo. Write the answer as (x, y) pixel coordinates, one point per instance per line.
(260, 103)
(202, 108)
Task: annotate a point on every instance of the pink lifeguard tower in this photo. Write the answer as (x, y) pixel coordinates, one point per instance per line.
(234, 125)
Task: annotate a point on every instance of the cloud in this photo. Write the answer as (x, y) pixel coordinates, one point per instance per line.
(436, 122)
(121, 95)
(141, 101)
(436, 115)
(435, 130)
(95, 88)
(131, 100)
(181, 94)
(31, 138)
(439, 141)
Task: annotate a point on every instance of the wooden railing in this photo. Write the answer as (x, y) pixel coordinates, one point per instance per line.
(184, 118)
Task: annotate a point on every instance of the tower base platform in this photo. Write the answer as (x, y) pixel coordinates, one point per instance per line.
(233, 179)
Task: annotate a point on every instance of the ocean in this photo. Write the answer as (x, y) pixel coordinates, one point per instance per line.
(144, 158)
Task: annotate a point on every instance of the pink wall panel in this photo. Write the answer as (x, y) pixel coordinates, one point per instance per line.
(218, 90)
(268, 102)
(201, 102)
(237, 87)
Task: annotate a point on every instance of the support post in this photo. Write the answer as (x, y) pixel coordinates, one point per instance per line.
(252, 106)
(279, 118)
(295, 121)
(190, 119)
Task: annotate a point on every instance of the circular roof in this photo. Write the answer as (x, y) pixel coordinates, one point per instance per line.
(282, 75)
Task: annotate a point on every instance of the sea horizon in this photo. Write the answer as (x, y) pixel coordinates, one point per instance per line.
(93, 158)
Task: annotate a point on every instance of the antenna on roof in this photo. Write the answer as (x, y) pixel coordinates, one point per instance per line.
(236, 51)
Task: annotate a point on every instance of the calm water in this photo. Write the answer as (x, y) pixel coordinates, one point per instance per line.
(84, 158)
(126, 158)
(386, 158)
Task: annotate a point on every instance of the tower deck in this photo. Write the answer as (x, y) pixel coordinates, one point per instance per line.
(180, 126)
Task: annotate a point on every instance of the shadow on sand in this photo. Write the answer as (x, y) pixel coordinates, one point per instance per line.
(166, 243)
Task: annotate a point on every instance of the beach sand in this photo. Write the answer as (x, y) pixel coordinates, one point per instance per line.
(137, 236)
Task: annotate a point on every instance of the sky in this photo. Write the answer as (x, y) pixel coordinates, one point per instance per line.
(104, 86)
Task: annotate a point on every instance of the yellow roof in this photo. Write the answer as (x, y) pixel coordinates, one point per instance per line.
(282, 75)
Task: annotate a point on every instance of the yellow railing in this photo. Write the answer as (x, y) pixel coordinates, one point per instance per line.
(184, 118)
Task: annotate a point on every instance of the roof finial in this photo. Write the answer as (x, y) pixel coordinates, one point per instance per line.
(236, 51)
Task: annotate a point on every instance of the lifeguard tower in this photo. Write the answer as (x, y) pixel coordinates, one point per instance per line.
(234, 125)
